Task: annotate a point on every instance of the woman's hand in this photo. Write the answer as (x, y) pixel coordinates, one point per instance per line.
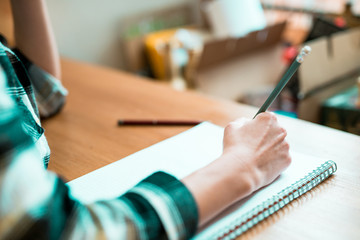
(254, 154)
(257, 146)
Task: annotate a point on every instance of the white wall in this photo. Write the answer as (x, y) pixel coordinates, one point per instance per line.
(89, 30)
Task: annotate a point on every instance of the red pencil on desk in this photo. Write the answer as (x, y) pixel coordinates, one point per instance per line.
(143, 122)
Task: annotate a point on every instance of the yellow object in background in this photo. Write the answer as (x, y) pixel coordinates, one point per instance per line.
(157, 50)
(172, 53)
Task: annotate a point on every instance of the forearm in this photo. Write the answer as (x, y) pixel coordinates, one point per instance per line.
(34, 36)
(216, 188)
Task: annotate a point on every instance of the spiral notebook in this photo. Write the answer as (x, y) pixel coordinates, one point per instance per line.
(184, 153)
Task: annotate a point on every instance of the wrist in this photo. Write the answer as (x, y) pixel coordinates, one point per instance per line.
(217, 186)
(239, 169)
(241, 180)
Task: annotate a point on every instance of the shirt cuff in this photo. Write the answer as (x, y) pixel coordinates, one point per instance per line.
(170, 201)
(49, 92)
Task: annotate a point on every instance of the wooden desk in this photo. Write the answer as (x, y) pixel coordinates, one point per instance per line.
(84, 137)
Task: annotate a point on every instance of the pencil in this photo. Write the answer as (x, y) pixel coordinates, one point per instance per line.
(144, 122)
(284, 80)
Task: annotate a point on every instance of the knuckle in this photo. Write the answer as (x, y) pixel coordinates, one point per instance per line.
(267, 116)
(283, 131)
(230, 126)
(288, 160)
(272, 116)
(264, 115)
(286, 146)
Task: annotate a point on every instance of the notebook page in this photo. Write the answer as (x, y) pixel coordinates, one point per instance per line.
(179, 155)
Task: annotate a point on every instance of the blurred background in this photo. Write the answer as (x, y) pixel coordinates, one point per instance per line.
(237, 50)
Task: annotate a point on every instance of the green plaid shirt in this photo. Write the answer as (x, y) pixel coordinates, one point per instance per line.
(37, 204)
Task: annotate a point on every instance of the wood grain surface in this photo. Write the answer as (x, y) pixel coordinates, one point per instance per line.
(85, 136)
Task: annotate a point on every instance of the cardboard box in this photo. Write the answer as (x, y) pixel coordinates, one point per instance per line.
(332, 66)
(230, 68)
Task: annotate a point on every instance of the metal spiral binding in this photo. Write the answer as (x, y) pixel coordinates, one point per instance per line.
(278, 201)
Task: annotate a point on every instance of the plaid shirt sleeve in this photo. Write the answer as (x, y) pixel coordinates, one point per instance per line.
(49, 93)
(37, 204)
